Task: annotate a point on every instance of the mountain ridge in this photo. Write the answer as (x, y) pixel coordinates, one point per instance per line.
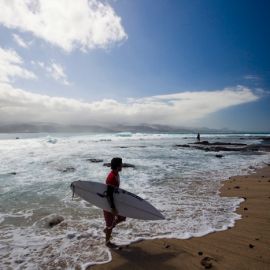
(60, 128)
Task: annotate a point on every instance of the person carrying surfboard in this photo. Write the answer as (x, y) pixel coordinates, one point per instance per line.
(113, 181)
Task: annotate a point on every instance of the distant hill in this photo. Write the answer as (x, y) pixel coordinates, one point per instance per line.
(54, 128)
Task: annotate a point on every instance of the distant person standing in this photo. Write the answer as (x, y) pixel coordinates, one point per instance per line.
(198, 137)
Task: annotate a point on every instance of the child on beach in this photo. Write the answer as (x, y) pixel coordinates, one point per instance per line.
(113, 181)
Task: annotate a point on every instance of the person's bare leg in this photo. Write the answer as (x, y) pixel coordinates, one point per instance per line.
(109, 244)
(108, 233)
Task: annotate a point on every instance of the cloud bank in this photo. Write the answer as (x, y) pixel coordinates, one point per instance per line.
(68, 24)
(185, 108)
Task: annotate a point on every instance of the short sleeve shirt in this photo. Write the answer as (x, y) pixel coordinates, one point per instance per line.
(113, 179)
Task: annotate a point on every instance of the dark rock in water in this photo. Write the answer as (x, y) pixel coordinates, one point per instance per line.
(220, 143)
(200, 253)
(55, 220)
(182, 145)
(52, 140)
(223, 143)
(259, 147)
(266, 139)
(202, 142)
(48, 161)
(94, 160)
(12, 173)
(219, 156)
(206, 262)
(264, 145)
(219, 148)
(86, 235)
(245, 208)
(71, 235)
(228, 146)
(125, 165)
(132, 146)
(251, 246)
(67, 170)
(17, 138)
(237, 187)
(19, 261)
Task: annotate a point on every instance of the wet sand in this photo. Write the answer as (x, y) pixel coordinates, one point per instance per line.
(245, 246)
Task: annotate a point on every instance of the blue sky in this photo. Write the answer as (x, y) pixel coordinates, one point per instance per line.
(184, 63)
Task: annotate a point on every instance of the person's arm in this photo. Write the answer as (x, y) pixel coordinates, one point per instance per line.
(110, 190)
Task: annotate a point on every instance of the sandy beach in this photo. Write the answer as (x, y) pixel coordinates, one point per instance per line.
(245, 246)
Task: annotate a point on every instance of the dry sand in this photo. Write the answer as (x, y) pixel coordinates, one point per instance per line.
(245, 246)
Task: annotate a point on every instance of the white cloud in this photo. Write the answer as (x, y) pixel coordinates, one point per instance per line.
(252, 77)
(56, 71)
(11, 66)
(53, 70)
(185, 108)
(20, 41)
(41, 64)
(68, 24)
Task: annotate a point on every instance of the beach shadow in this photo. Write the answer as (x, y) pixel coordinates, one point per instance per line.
(137, 258)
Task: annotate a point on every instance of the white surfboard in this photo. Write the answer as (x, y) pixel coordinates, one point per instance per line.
(126, 203)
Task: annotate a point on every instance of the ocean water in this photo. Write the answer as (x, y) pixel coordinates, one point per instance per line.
(183, 183)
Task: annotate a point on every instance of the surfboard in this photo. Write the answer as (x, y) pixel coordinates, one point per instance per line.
(126, 203)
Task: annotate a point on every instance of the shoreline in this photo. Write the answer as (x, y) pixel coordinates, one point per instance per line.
(246, 245)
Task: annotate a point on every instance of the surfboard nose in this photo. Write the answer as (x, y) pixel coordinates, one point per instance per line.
(158, 216)
(162, 217)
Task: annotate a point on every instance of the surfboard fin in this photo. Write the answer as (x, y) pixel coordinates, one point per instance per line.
(104, 195)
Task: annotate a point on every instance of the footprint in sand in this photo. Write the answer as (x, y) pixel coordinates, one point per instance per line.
(207, 262)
